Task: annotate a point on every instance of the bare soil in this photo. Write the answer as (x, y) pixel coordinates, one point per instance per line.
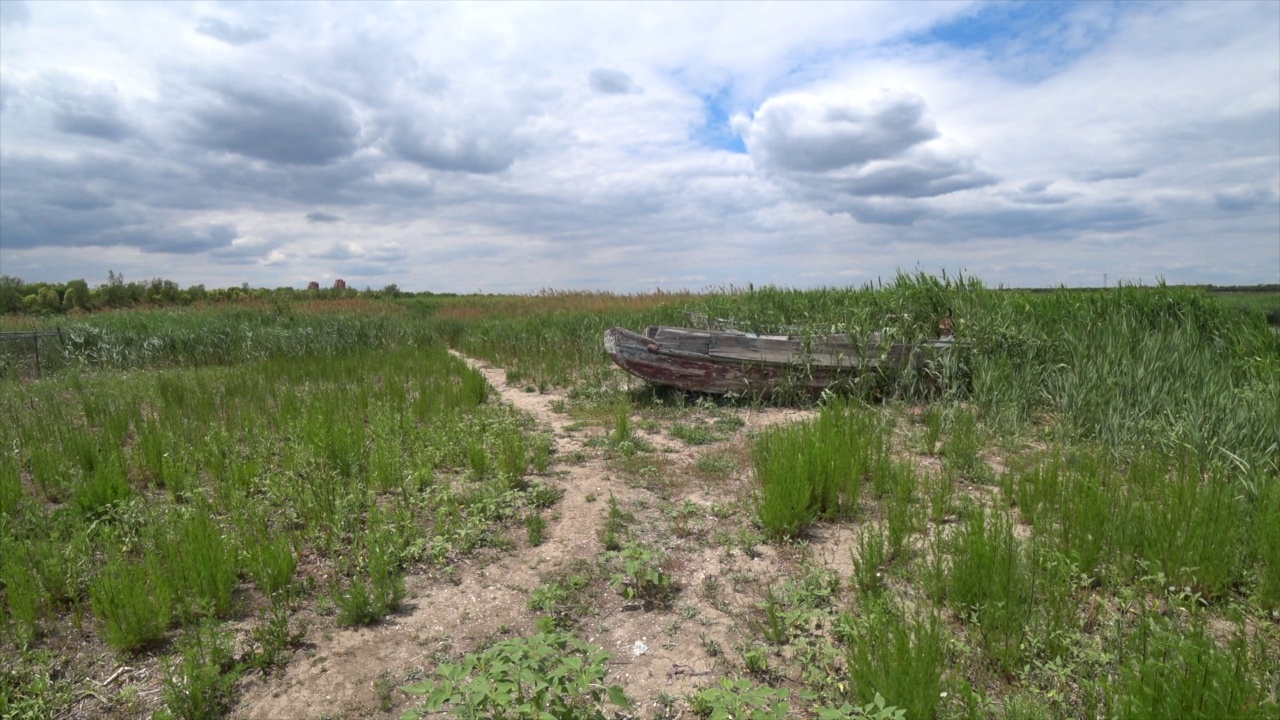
(658, 654)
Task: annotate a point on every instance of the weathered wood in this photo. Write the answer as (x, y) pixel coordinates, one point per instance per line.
(725, 362)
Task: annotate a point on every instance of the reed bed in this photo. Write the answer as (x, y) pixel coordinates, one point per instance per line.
(142, 339)
(1128, 367)
(151, 502)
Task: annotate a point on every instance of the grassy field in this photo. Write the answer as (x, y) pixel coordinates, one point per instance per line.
(1084, 523)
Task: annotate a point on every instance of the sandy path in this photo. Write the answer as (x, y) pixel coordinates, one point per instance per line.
(351, 673)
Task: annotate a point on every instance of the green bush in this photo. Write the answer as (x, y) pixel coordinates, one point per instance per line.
(134, 601)
(548, 675)
(199, 684)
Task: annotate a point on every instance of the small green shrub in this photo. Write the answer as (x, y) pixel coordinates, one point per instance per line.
(548, 675)
(639, 575)
(1168, 672)
(366, 600)
(271, 564)
(614, 530)
(869, 558)
(740, 699)
(105, 485)
(535, 526)
(895, 656)
(200, 564)
(200, 683)
(272, 637)
(134, 601)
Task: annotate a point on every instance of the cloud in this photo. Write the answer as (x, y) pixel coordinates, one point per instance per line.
(605, 81)
(14, 12)
(244, 251)
(284, 122)
(452, 146)
(83, 107)
(858, 157)
(229, 33)
(78, 199)
(340, 251)
(818, 133)
(1099, 174)
(1245, 198)
(457, 148)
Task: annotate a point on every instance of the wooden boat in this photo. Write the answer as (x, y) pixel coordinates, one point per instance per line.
(731, 362)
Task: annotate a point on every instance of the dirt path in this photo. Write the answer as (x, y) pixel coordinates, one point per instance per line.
(657, 654)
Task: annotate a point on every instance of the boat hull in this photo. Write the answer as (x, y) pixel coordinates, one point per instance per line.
(746, 365)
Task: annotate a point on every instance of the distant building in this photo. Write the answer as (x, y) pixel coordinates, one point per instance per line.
(313, 285)
(339, 284)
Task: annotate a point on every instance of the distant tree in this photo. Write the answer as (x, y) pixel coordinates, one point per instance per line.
(391, 291)
(112, 293)
(10, 294)
(76, 296)
(162, 292)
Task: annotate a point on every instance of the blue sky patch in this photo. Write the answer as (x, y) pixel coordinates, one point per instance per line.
(1030, 40)
(715, 131)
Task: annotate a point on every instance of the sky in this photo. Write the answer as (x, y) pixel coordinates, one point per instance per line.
(486, 147)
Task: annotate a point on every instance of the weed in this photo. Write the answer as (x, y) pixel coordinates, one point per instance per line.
(134, 601)
(200, 683)
(815, 469)
(383, 686)
(710, 646)
(639, 575)
(614, 529)
(272, 637)
(366, 600)
(535, 526)
(893, 655)
(740, 699)
(869, 558)
(693, 434)
(547, 675)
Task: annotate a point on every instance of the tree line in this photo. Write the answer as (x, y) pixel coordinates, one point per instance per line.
(44, 298)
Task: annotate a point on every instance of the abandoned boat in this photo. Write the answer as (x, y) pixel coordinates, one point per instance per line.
(725, 362)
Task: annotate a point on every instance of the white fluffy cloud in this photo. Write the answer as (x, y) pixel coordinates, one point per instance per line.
(520, 146)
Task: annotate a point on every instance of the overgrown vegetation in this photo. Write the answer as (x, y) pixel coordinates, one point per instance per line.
(1079, 516)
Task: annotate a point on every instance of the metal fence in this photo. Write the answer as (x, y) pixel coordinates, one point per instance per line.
(20, 351)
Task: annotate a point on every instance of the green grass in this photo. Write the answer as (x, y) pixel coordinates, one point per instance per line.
(172, 470)
(815, 470)
(150, 502)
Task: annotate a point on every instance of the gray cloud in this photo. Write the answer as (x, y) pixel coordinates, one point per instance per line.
(244, 252)
(1038, 193)
(451, 152)
(14, 12)
(861, 159)
(84, 108)
(456, 148)
(605, 81)
(179, 240)
(1042, 223)
(925, 174)
(1244, 199)
(79, 199)
(7, 90)
(818, 134)
(287, 124)
(337, 251)
(219, 29)
(1124, 172)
